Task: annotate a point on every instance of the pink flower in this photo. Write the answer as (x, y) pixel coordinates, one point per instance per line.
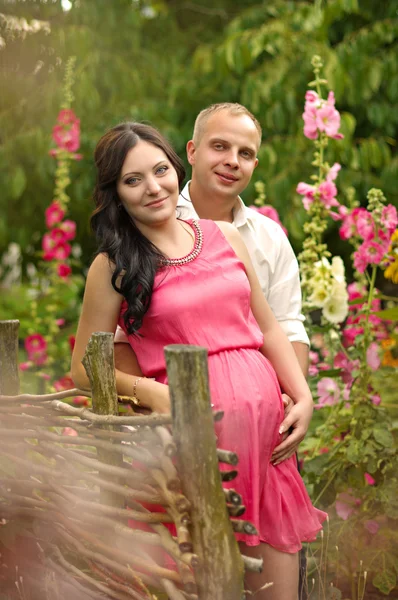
(349, 226)
(389, 218)
(67, 117)
(369, 479)
(349, 335)
(328, 120)
(54, 214)
(311, 97)
(64, 270)
(69, 431)
(64, 383)
(308, 191)
(24, 366)
(62, 252)
(310, 117)
(60, 322)
(328, 191)
(376, 400)
(333, 172)
(365, 225)
(267, 211)
(372, 526)
(372, 252)
(67, 138)
(69, 229)
(80, 401)
(328, 392)
(35, 343)
(372, 356)
(347, 366)
(45, 376)
(346, 504)
(313, 370)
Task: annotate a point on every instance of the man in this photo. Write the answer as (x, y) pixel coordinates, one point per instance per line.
(223, 156)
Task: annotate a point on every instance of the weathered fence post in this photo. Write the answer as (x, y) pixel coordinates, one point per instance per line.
(9, 377)
(220, 573)
(100, 368)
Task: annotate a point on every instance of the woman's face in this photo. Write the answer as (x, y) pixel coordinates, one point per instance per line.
(148, 185)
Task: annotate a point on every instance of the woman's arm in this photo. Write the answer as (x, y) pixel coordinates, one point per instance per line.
(100, 312)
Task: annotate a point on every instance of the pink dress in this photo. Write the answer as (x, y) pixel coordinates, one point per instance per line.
(206, 301)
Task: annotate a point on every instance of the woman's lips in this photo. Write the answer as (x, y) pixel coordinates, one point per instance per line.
(156, 203)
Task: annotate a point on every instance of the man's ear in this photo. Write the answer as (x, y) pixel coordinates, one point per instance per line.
(191, 152)
(256, 163)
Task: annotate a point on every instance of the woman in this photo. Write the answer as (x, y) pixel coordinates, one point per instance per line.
(170, 281)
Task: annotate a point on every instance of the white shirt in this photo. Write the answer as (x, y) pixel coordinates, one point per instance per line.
(273, 260)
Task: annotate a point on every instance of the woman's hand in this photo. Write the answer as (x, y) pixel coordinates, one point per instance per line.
(298, 418)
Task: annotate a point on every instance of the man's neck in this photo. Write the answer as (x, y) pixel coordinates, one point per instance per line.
(215, 209)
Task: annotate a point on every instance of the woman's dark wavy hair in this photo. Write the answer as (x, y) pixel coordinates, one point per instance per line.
(133, 255)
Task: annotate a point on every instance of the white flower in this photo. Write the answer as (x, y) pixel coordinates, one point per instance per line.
(338, 270)
(335, 309)
(320, 294)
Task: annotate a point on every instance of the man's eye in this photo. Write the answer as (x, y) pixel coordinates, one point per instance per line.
(218, 146)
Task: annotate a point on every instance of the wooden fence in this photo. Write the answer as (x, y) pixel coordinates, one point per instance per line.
(97, 504)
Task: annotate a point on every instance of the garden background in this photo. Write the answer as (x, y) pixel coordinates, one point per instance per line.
(162, 62)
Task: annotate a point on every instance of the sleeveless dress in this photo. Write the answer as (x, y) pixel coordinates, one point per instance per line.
(204, 299)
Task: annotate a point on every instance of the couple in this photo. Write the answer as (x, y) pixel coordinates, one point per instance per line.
(166, 277)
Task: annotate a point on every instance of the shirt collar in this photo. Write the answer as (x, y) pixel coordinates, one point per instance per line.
(241, 212)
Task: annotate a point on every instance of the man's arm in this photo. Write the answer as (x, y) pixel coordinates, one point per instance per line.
(302, 353)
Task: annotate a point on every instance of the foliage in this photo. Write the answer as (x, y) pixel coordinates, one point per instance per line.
(256, 53)
(351, 455)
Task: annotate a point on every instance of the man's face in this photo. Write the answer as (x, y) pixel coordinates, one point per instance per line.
(224, 159)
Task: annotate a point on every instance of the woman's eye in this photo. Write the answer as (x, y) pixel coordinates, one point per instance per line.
(162, 170)
(131, 180)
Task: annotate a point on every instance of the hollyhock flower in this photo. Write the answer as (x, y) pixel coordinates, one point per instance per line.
(69, 431)
(372, 526)
(313, 370)
(346, 504)
(328, 120)
(67, 138)
(328, 392)
(80, 401)
(64, 270)
(389, 218)
(333, 172)
(360, 261)
(355, 292)
(350, 334)
(338, 269)
(372, 356)
(341, 361)
(67, 117)
(372, 252)
(69, 229)
(35, 343)
(308, 191)
(64, 383)
(71, 341)
(335, 308)
(267, 211)
(365, 225)
(327, 194)
(376, 400)
(54, 214)
(24, 366)
(61, 252)
(369, 479)
(310, 118)
(60, 322)
(311, 97)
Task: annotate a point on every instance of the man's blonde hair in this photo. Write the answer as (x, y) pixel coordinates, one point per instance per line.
(232, 107)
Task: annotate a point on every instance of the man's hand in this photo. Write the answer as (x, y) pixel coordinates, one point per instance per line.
(298, 418)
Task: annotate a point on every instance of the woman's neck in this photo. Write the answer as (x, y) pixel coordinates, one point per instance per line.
(173, 238)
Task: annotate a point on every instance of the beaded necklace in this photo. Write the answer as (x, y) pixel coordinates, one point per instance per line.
(194, 252)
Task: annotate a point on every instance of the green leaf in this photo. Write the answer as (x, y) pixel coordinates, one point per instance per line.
(385, 581)
(383, 436)
(18, 183)
(389, 313)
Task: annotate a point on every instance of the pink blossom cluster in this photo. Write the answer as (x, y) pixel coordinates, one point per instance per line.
(374, 235)
(36, 349)
(326, 191)
(355, 321)
(269, 211)
(66, 134)
(55, 243)
(321, 116)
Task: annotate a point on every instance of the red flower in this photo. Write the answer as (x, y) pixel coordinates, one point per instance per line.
(67, 138)
(69, 229)
(64, 270)
(36, 348)
(54, 214)
(64, 383)
(71, 340)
